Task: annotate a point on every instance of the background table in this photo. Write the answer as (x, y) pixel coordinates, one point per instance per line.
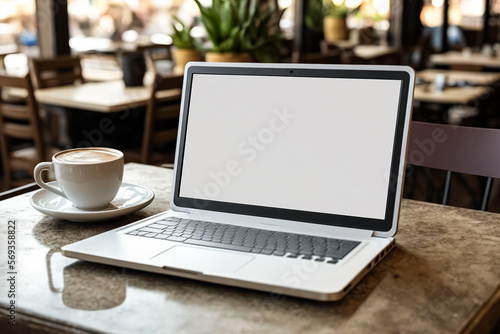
(478, 78)
(107, 96)
(374, 51)
(459, 58)
(453, 95)
(77, 106)
(442, 277)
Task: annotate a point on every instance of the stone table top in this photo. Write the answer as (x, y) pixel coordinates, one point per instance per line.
(442, 277)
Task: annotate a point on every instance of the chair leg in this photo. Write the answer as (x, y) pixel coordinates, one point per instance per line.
(486, 195)
(447, 184)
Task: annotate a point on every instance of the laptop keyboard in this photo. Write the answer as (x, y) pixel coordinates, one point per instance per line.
(249, 240)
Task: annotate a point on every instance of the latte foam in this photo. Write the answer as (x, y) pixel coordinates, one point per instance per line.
(87, 156)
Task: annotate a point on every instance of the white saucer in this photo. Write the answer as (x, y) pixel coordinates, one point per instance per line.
(130, 198)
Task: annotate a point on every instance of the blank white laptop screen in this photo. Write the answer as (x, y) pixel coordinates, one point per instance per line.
(264, 140)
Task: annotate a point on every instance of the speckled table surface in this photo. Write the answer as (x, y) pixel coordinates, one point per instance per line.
(442, 277)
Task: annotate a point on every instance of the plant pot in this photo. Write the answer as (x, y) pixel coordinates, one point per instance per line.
(334, 28)
(134, 67)
(228, 57)
(183, 56)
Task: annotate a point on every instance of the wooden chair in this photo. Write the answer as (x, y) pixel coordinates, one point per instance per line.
(21, 136)
(160, 124)
(54, 72)
(456, 149)
(466, 67)
(417, 56)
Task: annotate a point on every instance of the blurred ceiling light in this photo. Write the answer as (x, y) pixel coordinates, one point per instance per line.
(7, 28)
(437, 3)
(284, 3)
(8, 10)
(16, 64)
(161, 39)
(206, 3)
(130, 36)
(431, 16)
(198, 32)
(191, 7)
(472, 7)
(83, 44)
(454, 15)
(353, 3)
(161, 4)
(133, 4)
(382, 6)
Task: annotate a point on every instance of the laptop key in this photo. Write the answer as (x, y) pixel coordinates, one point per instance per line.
(173, 238)
(157, 226)
(217, 245)
(151, 230)
(167, 222)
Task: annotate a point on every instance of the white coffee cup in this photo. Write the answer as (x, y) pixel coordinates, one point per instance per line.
(88, 177)
(439, 82)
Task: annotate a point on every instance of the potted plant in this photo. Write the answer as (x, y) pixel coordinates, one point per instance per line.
(185, 45)
(241, 30)
(334, 21)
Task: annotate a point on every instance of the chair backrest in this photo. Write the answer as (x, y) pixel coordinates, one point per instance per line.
(458, 149)
(331, 57)
(466, 67)
(162, 115)
(19, 122)
(418, 55)
(58, 71)
(327, 47)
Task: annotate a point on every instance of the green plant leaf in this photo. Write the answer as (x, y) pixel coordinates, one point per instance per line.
(242, 10)
(226, 19)
(241, 26)
(262, 27)
(252, 9)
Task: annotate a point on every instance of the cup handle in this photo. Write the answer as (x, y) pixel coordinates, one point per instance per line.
(38, 178)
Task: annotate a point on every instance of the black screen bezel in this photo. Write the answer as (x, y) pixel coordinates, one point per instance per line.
(373, 224)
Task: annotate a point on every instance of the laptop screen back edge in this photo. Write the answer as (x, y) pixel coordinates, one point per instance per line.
(307, 143)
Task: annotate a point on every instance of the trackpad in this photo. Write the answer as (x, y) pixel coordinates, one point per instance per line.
(204, 260)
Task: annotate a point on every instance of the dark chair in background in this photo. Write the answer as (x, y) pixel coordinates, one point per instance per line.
(417, 56)
(55, 72)
(160, 124)
(456, 149)
(21, 135)
(332, 57)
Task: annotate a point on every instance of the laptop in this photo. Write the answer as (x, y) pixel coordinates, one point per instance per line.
(288, 179)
